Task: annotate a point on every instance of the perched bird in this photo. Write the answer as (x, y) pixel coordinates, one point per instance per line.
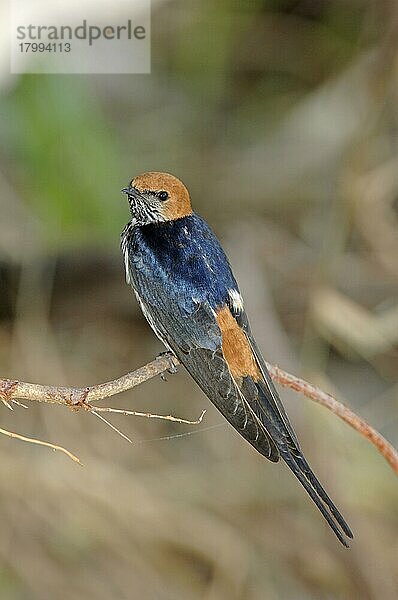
(184, 284)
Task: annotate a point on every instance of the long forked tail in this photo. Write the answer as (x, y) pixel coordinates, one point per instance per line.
(308, 480)
(291, 453)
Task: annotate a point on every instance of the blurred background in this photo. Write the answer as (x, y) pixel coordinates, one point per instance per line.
(282, 119)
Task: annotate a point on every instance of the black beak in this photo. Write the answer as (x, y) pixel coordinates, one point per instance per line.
(128, 190)
(132, 191)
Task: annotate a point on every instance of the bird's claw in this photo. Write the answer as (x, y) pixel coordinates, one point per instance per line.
(172, 369)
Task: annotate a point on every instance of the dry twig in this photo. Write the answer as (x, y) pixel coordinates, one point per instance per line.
(23, 438)
(81, 398)
(339, 409)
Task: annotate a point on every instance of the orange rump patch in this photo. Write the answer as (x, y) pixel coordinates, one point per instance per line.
(236, 348)
(179, 202)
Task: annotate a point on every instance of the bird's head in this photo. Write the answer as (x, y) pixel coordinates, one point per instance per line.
(157, 197)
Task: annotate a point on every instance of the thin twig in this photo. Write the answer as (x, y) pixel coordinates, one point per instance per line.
(121, 411)
(23, 438)
(339, 409)
(80, 398)
(123, 435)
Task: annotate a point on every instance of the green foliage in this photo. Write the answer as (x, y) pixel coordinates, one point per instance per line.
(69, 167)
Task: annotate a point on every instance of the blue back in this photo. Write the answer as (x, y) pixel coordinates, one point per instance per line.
(185, 258)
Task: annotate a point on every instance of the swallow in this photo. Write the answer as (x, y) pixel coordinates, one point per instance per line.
(185, 287)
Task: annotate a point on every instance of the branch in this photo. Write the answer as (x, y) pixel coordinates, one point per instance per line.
(81, 398)
(339, 409)
(23, 438)
(76, 397)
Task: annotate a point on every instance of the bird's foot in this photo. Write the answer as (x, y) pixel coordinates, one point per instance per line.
(172, 369)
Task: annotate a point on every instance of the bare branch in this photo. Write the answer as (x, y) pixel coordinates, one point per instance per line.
(339, 409)
(80, 398)
(134, 413)
(76, 397)
(23, 438)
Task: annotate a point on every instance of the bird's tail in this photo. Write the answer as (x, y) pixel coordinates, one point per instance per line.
(309, 481)
(292, 454)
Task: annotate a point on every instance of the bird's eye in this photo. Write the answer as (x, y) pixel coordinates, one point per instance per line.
(163, 196)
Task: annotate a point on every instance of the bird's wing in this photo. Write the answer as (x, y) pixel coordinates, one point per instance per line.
(220, 353)
(279, 427)
(196, 341)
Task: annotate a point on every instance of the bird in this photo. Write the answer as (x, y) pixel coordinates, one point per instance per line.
(186, 289)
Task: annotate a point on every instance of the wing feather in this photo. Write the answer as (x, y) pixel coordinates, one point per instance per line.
(276, 422)
(253, 408)
(196, 341)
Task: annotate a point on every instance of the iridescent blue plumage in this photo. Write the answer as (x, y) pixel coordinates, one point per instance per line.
(186, 289)
(186, 256)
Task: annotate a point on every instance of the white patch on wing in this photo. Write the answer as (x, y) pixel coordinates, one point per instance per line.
(236, 300)
(127, 266)
(125, 251)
